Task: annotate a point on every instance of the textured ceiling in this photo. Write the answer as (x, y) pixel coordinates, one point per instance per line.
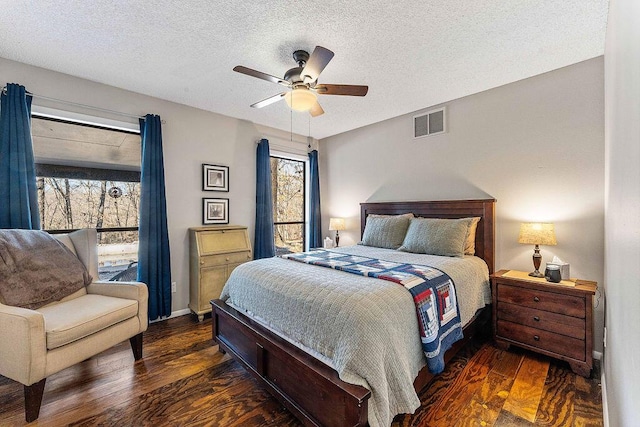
(411, 54)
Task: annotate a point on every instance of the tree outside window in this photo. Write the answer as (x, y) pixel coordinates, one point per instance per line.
(288, 190)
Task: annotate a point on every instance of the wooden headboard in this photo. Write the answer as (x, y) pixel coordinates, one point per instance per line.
(485, 209)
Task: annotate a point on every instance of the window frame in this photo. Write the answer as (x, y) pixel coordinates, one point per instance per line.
(48, 170)
(305, 215)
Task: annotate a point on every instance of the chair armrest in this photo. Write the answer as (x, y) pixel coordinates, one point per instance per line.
(23, 353)
(128, 290)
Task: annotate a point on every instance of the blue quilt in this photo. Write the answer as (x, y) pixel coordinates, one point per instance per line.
(433, 292)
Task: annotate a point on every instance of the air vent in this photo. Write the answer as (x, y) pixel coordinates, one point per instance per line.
(430, 123)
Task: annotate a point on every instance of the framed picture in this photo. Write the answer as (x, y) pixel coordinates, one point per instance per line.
(215, 178)
(215, 211)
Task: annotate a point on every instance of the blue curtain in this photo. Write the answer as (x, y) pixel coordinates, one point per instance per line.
(315, 228)
(263, 246)
(18, 193)
(154, 266)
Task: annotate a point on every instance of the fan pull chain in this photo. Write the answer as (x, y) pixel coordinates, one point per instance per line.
(309, 133)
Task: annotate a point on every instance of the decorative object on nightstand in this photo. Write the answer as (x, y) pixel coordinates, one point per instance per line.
(327, 243)
(564, 267)
(552, 273)
(555, 319)
(537, 233)
(337, 225)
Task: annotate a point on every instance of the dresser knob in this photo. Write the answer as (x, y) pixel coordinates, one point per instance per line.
(227, 258)
(248, 256)
(536, 299)
(537, 338)
(536, 318)
(201, 262)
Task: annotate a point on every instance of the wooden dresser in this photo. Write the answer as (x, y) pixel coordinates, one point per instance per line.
(214, 252)
(548, 318)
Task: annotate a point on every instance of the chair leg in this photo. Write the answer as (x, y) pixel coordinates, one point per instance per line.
(33, 399)
(136, 346)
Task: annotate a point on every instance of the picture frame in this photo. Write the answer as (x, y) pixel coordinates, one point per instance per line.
(215, 178)
(215, 211)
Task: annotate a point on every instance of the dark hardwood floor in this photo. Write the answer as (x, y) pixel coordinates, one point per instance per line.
(183, 380)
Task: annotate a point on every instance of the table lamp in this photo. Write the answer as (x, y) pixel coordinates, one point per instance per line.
(336, 224)
(537, 233)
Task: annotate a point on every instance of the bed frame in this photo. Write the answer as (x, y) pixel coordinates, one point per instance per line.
(309, 388)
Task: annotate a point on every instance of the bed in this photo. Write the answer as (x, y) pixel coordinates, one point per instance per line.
(306, 383)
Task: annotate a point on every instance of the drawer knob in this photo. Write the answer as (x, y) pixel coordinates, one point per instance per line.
(227, 258)
(536, 318)
(201, 262)
(536, 299)
(248, 256)
(537, 338)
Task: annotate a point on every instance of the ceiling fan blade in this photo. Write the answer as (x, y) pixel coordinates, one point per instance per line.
(352, 90)
(316, 63)
(316, 110)
(261, 75)
(270, 100)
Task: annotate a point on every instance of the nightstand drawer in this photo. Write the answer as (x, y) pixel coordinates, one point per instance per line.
(545, 340)
(547, 301)
(540, 319)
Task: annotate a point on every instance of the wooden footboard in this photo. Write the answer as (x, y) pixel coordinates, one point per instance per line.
(310, 389)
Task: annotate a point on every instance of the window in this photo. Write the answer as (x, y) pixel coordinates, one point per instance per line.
(288, 186)
(88, 177)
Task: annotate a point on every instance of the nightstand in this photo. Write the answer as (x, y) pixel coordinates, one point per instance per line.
(555, 319)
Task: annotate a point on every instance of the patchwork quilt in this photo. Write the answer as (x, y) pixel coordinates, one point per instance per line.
(433, 293)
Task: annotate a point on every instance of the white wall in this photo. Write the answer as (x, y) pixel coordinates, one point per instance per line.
(537, 146)
(190, 137)
(622, 219)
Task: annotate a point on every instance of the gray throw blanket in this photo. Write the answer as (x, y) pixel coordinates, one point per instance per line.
(36, 269)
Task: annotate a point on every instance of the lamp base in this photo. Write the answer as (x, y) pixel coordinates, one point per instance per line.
(537, 260)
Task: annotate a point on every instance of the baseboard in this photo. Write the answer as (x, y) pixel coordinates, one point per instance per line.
(605, 408)
(178, 313)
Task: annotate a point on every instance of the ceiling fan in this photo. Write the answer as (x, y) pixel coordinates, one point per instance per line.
(303, 82)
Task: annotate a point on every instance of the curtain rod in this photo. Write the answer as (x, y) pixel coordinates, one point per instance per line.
(75, 104)
(296, 142)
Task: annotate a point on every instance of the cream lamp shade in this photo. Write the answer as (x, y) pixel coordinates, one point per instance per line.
(300, 99)
(336, 224)
(537, 233)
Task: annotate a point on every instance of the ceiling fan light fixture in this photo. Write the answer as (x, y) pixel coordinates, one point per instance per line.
(301, 99)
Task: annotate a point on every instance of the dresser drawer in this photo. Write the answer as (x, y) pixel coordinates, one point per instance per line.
(547, 301)
(223, 259)
(540, 339)
(540, 319)
(216, 241)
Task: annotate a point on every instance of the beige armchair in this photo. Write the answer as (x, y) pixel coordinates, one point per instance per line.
(35, 344)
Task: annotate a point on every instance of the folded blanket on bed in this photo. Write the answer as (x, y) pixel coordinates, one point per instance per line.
(433, 292)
